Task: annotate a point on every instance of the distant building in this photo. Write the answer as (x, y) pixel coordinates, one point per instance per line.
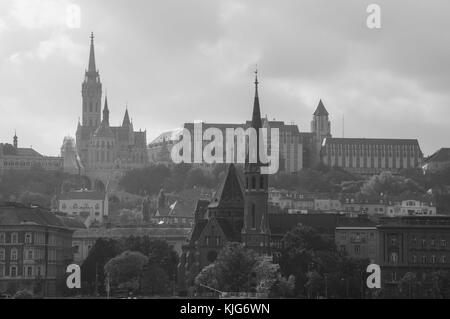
(72, 163)
(84, 239)
(13, 157)
(290, 141)
(327, 204)
(411, 208)
(438, 161)
(106, 152)
(90, 206)
(159, 149)
(358, 238)
(370, 156)
(35, 248)
(417, 244)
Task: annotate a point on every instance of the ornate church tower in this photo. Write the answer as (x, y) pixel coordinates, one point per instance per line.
(91, 91)
(321, 128)
(256, 232)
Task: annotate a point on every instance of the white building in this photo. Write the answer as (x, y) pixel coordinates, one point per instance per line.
(327, 204)
(91, 206)
(410, 208)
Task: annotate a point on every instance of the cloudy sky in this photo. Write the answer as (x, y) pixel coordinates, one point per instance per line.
(177, 61)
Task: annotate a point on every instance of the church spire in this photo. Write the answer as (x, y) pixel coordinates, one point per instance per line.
(106, 112)
(15, 139)
(126, 119)
(256, 116)
(92, 68)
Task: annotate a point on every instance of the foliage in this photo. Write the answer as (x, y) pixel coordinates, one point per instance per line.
(386, 183)
(125, 269)
(23, 294)
(315, 263)
(238, 269)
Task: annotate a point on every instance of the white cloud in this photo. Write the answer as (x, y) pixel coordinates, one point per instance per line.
(38, 14)
(58, 44)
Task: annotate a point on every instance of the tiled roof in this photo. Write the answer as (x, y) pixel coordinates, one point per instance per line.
(227, 229)
(442, 155)
(229, 193)
(197, 230)
(320, 110)
(120, 232)
(282, 223)
(17, 214)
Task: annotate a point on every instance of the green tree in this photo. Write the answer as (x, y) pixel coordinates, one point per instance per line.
(125, 270)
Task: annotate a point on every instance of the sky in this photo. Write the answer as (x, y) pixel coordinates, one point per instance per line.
(177, 61)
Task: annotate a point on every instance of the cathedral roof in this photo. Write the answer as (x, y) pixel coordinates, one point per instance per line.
(321, 110)
(229, 192)
(103, 131)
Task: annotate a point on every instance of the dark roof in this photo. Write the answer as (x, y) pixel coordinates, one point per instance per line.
(355, 222)
(200, 208)
(197, 230)
(103, 130)
(442, 155)
(371, 141)
(320, 110)
(229, 193)
(228, 231)
(18, 214)
(72, 223)
(282, 223)
(122, 232)
(94, 195)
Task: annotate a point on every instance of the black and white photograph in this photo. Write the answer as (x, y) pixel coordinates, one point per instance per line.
(224, 155)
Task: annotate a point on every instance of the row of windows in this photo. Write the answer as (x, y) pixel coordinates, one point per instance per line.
(55, 163)
(14, 238)
(253, 182)
(14, 254)
(433, 242)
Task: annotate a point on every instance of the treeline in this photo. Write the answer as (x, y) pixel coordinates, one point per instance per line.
(308, 267)
(37, 186)
(151, 179)
(140, 265)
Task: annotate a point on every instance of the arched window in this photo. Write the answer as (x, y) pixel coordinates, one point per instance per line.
(253, 216)
(253, 182)
(261, 182)
(90, 106)
(2, 253)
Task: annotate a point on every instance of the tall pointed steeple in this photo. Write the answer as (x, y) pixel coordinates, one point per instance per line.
(15, 143)
(92, 68)
(256, 116)
(106, 112)
(126, 119)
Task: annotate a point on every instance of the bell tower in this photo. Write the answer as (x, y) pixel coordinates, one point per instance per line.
(256, 232)
(91, 91)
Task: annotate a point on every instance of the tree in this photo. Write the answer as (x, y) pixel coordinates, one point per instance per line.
(314, 284)
(92, 269)
(238, 269)
(124, 271)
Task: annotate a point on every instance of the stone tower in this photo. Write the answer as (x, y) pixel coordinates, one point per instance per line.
(91, 91)
(321, 128)
(256, 233)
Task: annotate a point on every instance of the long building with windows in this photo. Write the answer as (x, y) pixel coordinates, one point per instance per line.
(15, 158)
(371, 156)
(35, 248)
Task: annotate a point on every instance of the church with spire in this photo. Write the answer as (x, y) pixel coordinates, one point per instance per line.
(237, 212)
(105, 151)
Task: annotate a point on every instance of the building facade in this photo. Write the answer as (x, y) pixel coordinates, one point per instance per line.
(90, 206)
(106, 151)
(371, 156)
(15, 158)
(416, 244)
(35, 249)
